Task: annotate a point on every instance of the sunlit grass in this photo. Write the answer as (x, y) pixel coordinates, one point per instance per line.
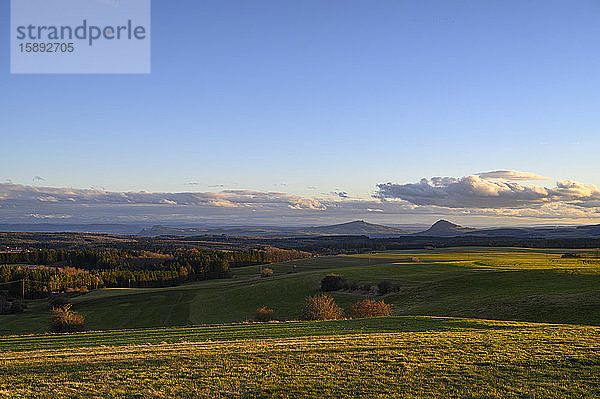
(481, 359)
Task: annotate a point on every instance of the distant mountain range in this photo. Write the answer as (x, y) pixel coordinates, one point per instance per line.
(358, 227)
(442, 228)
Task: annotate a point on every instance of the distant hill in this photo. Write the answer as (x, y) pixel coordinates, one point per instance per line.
(593, 230)
(102, 228)
(444, 228)
(356, 228)
(205, 231)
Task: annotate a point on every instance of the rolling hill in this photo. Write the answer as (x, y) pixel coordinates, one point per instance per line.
(359, 227)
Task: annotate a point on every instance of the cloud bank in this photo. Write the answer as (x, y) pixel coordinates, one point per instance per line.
(499, 197)
(20, 195)
(477, 192)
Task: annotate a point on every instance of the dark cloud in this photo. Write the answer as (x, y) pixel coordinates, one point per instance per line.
(341, 194)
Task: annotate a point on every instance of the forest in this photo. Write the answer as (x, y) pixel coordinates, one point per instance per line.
(40, 272)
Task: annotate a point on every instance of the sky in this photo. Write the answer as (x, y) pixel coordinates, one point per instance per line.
(314, 112)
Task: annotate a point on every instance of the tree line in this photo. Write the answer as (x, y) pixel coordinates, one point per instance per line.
(38, 273)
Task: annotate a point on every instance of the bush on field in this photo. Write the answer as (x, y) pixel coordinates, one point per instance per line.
(264, 314)
(369, 308)
(333, 282)
(266, 272)
(66, 320)
(321, 307)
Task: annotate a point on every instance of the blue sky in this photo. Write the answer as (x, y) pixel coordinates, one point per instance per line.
(313, 97)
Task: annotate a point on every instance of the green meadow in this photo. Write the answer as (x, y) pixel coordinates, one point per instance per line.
(503, 284)
(468, 322)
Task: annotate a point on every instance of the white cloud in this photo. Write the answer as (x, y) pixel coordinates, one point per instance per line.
(48, 217)
(28, 195)
(512, 175)
(477, 192)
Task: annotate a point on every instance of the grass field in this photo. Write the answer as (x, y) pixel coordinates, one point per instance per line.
(227, 332)
(407, 357)
(440, 343)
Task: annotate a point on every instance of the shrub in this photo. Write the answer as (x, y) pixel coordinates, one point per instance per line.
(264, 314)
(369, 308)
(321, 307)
(266, 272)
(333, 282)
(386, 286)
(66, 320)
